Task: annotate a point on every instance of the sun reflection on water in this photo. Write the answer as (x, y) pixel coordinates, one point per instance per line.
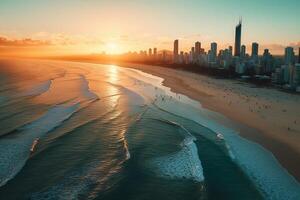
(113, 74)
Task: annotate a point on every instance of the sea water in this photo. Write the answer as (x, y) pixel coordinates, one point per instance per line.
(107, 132)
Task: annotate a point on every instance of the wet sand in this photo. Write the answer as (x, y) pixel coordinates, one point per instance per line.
(266, 116)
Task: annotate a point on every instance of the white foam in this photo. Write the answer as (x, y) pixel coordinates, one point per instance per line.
(15, 150)
(184, 164)
(127, 153)
(258, 163)
(86, 89)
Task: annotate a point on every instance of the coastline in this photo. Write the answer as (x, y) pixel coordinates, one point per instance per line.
(263, 129)
(266, 116)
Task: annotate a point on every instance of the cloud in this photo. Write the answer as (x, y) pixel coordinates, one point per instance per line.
(47, 39)
(27, 42)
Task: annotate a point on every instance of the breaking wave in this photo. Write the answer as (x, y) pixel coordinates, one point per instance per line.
(15, 149)
(184, 164)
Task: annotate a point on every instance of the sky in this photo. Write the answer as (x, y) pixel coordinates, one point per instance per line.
(117, 26)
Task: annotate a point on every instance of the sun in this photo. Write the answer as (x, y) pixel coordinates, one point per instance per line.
(112, 48)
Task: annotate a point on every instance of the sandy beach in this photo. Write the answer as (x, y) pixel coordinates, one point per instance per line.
(267, 116)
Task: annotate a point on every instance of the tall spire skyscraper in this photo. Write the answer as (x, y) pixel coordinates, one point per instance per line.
(238, 35)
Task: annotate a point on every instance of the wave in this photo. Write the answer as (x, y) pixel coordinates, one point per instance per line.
(15, 149)
(86, 91)
(184, 164)
(265, 172)
(137, 99)
(87, 181)
(37, 89)
(29, 92)
(125, 144)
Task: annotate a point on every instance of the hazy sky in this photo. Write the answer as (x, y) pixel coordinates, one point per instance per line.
(121, 25)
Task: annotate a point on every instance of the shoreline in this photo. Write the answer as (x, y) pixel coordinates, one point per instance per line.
(282, 150)
(261, 115)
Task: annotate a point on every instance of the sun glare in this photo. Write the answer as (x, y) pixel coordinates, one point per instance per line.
(112, 48)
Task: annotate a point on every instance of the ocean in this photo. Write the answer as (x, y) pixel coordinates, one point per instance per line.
(89, 131)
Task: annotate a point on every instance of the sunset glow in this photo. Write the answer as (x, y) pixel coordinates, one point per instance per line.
(84, 27)
(112, 48)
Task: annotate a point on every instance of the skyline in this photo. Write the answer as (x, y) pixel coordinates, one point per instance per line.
(119, 26)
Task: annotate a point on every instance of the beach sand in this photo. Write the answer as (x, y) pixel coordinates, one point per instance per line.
(264, 115)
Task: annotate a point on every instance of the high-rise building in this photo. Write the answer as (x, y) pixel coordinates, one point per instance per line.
(297, 74)
(164, 55)
(155, 51)
(230, 50)
(299, 56)
(186, 58)
(192, 54)
(197, 48)
(254, 50)
(267, 61)
(238, 35)
(243, 51)
(175, 51)
(150, 52)
(289, 55)
(181, 57)
(213, 48)
(213, 52)
(193, 50)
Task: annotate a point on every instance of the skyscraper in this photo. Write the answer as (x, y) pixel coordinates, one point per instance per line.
(230, 50)
(254, 49)
(192, 54)
(164, 55)
(289, 55)
(150, 52)
(155, 51)
(267, 61)
(181, 57)
(197, 48)
(175, 51)
(243, 51)
(193, 50)
(238, 35)
(299, 56)
(213, 51)
(297, 74)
